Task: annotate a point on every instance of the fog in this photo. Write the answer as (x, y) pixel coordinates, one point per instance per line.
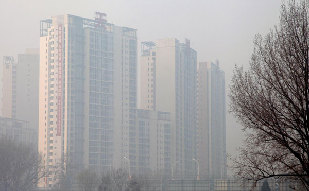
(220, 30)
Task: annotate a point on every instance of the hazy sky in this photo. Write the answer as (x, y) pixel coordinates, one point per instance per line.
(218, 29)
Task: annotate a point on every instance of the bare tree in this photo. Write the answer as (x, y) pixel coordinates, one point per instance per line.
(64, 181)
(271, 100)
(134, 185)
(106, 183)
(87, 180)
(114, 180)
(63, 178)
(20, 168)
(119, 180)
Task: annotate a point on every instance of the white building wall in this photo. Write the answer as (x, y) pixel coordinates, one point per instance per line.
(27, 87)
(58, 85)
(147, 99)
(175, 92)
(43, 132)
(166, 89)
(125, 91)
(8, 106)
(211, 121)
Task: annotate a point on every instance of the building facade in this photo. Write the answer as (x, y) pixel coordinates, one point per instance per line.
(211, 133)
(147, 99)
(21, 87)
(168, 83)
(18, 131)
(9, 87)
(151, 141)
(87, 93)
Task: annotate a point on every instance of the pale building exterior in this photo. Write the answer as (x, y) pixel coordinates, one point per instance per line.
(203, 99)
(18, 131)
(152, 143)
(168, 83)
(8, 107)
(211, 134)
(27, 87)
(147, 76)
(21, 87)
(87, 94)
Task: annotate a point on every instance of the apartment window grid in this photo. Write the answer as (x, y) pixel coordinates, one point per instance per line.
(100, 99)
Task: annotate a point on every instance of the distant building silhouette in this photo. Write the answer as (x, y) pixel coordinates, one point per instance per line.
(20, 89)
(168, 83)
(9, 87)
(211, 133)
(20, 92)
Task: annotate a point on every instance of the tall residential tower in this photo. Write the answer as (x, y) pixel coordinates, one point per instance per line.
(87, 93)
(168, 84)
(211, 133)
(21, 87)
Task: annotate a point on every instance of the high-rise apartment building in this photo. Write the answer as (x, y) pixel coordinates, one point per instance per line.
(168, 83)
(211, 133)
(21, 87)
(87, 94)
